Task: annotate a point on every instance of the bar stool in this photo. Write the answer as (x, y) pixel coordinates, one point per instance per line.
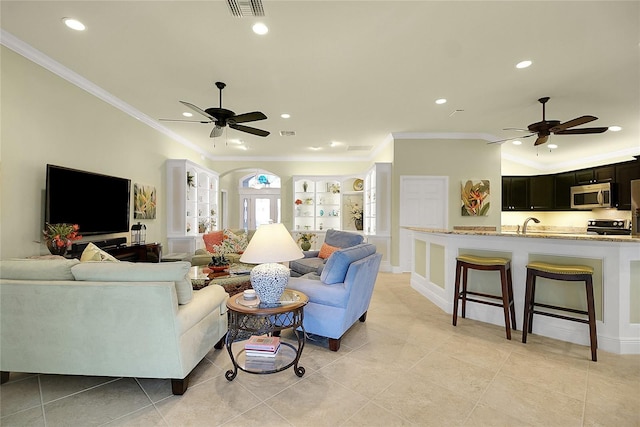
(573, 273)
(503, 265)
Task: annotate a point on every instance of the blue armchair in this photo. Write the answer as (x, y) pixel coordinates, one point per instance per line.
(341, 294)
(312, 263)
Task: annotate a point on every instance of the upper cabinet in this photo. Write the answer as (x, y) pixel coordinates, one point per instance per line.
(553, 192)
(192, 204)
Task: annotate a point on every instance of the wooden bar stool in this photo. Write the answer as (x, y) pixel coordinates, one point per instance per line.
(573, 273)
(503, 265)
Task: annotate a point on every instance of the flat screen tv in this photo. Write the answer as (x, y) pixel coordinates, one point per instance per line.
(99, 204)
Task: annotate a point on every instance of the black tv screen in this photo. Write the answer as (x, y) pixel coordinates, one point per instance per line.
(99, 204)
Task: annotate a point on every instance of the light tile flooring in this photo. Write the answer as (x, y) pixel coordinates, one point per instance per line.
(406, 365)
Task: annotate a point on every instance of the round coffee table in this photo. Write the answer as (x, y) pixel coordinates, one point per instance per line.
(254, 318)
(235, 279)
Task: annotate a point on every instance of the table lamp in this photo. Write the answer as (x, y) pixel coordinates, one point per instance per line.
(270, 245)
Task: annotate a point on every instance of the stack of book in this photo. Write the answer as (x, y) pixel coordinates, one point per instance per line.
(262, 346)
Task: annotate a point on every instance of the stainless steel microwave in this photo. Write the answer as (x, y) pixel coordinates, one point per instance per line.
(593, 196)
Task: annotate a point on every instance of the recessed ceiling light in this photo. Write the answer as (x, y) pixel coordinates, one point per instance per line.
(524, 64)
(516, 142)
(243, 147)
(335, 144)
(187, 114)
(315, 148)
(285, 115)
(441, 101)
(552, 146)
(260, 28)
(615, 128)
(236, 141)
(74, 24)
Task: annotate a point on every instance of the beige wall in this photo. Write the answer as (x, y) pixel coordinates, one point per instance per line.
(44, 120)
(460, 159)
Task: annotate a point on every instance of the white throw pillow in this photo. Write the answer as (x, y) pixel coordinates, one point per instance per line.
(94, 253)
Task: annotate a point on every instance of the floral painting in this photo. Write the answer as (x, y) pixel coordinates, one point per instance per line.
(475, 198)
(144, 201)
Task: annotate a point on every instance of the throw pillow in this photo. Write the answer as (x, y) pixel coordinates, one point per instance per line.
(94, 253)
(327, 250)
(234, 243)
(212, 241)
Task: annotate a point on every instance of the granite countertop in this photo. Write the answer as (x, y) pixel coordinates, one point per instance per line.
(567, 234)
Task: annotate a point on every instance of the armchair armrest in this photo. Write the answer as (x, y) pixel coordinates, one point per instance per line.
(311, 254)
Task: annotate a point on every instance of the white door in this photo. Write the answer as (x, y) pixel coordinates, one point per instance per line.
(423, 203)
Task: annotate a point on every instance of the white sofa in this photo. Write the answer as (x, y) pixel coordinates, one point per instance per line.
(116, 319)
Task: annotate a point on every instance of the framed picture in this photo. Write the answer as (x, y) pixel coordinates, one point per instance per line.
(144, 201)
(475, 195)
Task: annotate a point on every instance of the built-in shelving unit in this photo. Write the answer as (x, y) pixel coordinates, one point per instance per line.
(377, 210)
(192, 204)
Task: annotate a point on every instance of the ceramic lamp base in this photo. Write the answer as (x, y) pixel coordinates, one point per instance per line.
(269, 281)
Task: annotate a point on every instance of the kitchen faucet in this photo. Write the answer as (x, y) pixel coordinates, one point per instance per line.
(526, 221)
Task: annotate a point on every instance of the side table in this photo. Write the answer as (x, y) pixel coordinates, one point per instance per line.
(270, 319)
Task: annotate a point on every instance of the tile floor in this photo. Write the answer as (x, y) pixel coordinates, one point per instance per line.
(406, 365)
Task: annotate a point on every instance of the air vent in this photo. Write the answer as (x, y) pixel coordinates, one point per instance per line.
(287, 133)
(242, 8)
(359, 147)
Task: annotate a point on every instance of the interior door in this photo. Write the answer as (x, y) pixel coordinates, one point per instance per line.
(423, 203)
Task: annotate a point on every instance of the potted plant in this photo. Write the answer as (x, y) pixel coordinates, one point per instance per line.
(356, 215)
(305, 240)
(58, 237)
(219, 263)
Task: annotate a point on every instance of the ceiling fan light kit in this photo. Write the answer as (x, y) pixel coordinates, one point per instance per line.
(223, 117)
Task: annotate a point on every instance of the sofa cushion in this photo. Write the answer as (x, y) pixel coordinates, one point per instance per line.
(37, 269)
(326, 251)
(177, 272)
(213, 240)
(94, 253)
(338, 263)
(342, 239)
(305, 265)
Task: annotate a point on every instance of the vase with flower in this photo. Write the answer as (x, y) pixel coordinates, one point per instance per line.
(58, 237)
(356, 215)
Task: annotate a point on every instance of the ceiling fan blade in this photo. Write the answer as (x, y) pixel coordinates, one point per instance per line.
(216, 131)
(541, 140)
(254, 131)
(198, 110)
(571, 123)
(247, 117)
(517, 129)
(510, 139)
(582, 131)
(179, 120)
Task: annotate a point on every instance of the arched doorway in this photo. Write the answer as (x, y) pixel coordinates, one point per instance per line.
(259, 199)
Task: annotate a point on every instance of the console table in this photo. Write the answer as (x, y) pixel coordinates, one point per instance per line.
(149, 252)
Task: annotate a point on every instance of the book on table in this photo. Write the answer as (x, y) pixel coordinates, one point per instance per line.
(261, 353)
(262, 343)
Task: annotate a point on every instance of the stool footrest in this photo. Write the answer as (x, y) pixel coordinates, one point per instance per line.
(480, 301)
(560, 316)
(555, 307)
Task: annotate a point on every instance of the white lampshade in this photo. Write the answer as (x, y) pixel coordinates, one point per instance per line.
(271, 243)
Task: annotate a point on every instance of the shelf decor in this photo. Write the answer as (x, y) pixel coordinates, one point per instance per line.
(475, 197)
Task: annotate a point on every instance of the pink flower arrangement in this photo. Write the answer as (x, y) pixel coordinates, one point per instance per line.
(61, 235)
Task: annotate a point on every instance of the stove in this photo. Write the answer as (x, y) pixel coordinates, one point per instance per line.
(608, 226)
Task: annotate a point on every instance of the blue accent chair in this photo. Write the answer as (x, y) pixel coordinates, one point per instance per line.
(341, 294)
(311, 263)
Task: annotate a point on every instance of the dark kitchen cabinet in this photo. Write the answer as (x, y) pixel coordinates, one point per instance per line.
(625, 173)
(562, 184)
(541, 192)
(593, 175)
(515, 193)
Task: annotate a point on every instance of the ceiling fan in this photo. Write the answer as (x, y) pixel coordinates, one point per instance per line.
(545, 128)
(223, 117)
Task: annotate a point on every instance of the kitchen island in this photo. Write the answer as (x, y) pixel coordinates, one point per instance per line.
(615, 259)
